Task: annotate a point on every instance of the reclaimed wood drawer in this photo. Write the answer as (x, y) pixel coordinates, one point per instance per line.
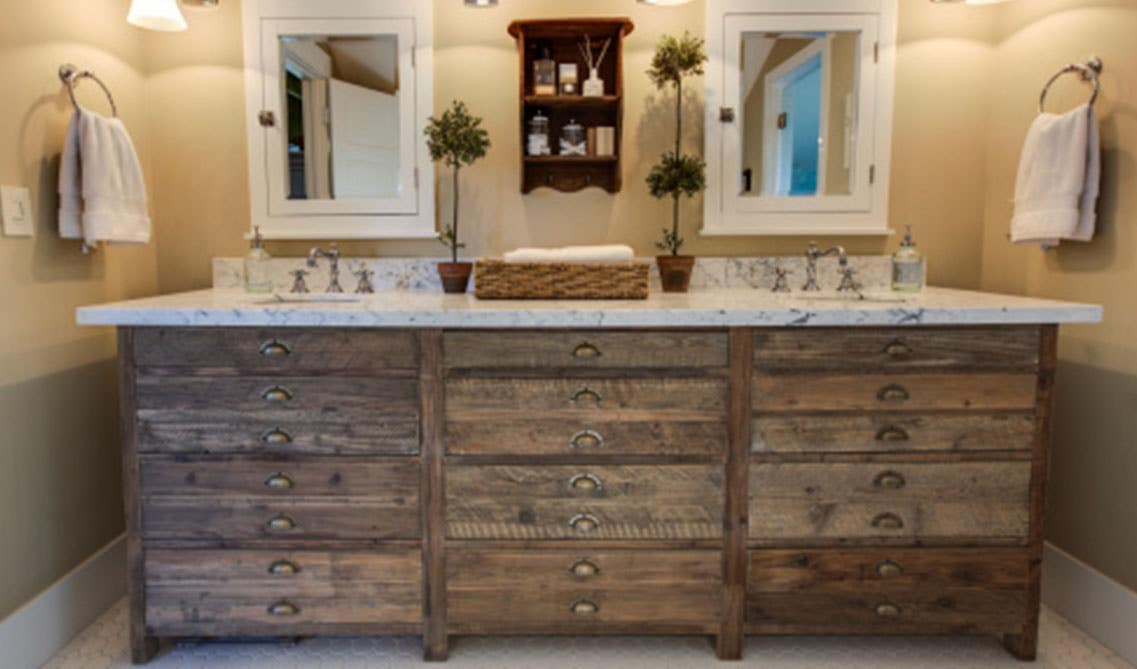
(948, 611)
(389, 514)
(317, 350)
(601, 400)
(860, 570)
(579, 502)
(586, 438)
(887, 590)
(585, 349)
(892, 432)
(899, 501)
(298, 434)
(250, 592)
(882, 392)
(559, 590)
(319, 398)
(244, 476)
(897, 349)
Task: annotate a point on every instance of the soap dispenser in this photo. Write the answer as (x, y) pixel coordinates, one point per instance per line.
(257, 278)
(908, 269)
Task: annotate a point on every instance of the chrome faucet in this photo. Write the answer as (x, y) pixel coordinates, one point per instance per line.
(811, 257)
(333, 256)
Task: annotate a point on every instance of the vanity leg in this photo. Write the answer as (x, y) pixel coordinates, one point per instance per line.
(142, 648)
(1022, 646)
(731, 634)
(434, 640)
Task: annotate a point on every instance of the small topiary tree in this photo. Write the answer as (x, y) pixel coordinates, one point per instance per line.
(676, 174)
(457, 139)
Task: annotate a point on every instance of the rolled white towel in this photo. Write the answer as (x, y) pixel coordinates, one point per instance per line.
(611, 253)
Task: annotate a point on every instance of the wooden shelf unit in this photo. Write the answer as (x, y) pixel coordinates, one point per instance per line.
(561, 37)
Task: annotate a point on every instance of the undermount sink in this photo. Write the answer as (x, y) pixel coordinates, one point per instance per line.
(853, 298)
(309, 298)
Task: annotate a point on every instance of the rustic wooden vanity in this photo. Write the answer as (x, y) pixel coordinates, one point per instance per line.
(723, 481)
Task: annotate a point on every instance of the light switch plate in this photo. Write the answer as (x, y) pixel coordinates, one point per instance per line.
(16, 211)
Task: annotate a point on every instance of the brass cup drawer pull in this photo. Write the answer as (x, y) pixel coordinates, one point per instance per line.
(279, 481)
(583, 607)
(889, 480)
(584, 350)
(275, 349)
(889, 569)
(283, 568)
(585, 482)
(887, 610)
(892, 433)
(897, 349)
(587, 439)
(893, 392)
(283, 609)
(281, 523)
(586, 394)
(584, 523)
(584, 569)
(888, 521)
(277, 394)
(276, 436)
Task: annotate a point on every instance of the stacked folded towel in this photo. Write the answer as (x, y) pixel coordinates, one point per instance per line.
(573, 254)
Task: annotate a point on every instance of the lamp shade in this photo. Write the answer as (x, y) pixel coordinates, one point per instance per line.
(156, 15)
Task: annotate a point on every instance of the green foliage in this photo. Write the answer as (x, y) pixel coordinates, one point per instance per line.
(457, 138)
(677, 175)
(671, 242)
(676, 58)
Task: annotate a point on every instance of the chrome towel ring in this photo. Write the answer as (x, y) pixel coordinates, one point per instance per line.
(1089, 73)
(70, 75)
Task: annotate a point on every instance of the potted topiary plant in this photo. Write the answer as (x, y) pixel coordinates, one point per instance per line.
(457, 139)
(676, 174)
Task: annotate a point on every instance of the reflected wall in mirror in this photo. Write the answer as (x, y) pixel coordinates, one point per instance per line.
(342, 108)
(799, 102)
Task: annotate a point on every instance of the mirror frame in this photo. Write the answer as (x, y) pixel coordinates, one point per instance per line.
(410, 216)
(865, 211)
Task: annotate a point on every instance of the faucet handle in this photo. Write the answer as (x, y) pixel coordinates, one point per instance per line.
(364, 276)
(848, 283)
(298, 283)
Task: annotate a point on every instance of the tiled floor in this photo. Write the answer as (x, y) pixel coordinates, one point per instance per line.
(103, 644)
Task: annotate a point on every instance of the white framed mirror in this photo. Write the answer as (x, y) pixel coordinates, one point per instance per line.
(338, 93)
(799, 115)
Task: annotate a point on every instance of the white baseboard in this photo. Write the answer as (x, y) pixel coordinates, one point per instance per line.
(36, 631)
(1098, 605)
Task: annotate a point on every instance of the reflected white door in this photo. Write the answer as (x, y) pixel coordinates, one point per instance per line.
(365, 141)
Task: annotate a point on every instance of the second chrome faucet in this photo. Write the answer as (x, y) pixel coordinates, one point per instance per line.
(333, 256)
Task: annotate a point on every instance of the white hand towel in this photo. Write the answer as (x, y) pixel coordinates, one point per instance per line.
(573, 254)
(102, 192)
(71, 185)
(1059, 180)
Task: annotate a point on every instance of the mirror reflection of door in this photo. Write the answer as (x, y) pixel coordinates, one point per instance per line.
(798, 125)
(342, 97)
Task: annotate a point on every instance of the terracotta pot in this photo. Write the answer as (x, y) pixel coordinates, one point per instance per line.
(455, 276)
(675, 272)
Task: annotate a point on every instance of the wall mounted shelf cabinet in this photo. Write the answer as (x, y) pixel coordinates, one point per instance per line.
(561, 39)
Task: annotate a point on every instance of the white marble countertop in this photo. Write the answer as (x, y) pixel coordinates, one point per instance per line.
(699, 308)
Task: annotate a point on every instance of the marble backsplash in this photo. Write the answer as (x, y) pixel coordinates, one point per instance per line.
(421, 274)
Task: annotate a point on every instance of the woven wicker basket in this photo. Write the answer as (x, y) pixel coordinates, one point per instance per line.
(499, 280)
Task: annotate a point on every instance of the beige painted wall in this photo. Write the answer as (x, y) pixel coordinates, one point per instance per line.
(199, 139)
(59, 457)
(1093, 508)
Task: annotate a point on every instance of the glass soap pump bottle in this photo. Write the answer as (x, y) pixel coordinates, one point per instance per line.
(908, 269)
(257, 277)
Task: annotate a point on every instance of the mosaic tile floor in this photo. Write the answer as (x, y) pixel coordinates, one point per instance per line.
(1064, 646)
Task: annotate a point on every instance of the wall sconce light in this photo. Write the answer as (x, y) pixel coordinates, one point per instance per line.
(481, 4)
(161, 15)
